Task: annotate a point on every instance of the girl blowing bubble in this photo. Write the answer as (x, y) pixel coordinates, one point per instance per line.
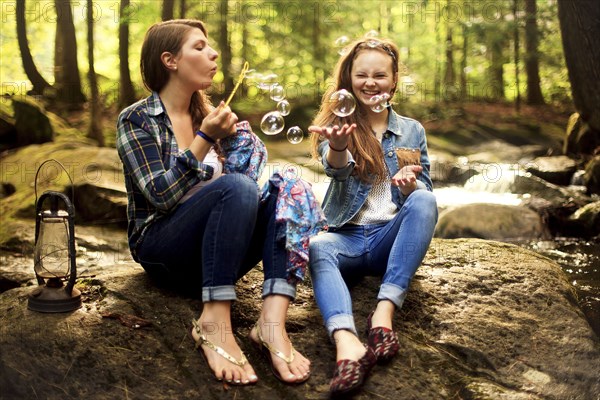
(193, 221)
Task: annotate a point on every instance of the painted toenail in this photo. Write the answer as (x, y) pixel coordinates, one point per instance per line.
(253, 377)
(237, 381)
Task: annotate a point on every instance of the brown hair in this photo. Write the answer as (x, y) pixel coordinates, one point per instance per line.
(363, 145)
(168, 36)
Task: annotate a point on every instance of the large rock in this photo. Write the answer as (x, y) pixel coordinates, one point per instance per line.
(580, 138)
(557, 169)
(592, 175)
(483, 320)
(491, 221)
(586, 220)
(31, 122)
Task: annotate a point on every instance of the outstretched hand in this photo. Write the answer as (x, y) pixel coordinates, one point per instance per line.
(406, 178)
(337, 137)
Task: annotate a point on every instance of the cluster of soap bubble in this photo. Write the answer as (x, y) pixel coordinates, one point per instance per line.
(379, 102)
(272, 122)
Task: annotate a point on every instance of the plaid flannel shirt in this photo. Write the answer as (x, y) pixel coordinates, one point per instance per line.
(146, 145)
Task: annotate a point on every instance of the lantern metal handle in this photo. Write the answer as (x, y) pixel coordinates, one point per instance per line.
(66, 172)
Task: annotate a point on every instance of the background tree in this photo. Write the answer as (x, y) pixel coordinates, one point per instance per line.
(182, 9)
(37, 80)
(225, 46)
(95, 126)
(168, 9)
(532, 57)
(126, 91)
(580, 33)
(516, 40)
(66, 68)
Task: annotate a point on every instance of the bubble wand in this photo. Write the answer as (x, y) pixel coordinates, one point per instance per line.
(240, 79)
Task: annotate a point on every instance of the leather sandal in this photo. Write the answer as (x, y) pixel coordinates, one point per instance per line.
(383, 341)
(267, 350)
(350, 375)
(202, 340)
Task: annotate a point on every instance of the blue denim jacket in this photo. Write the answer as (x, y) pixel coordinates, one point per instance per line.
(347, 194)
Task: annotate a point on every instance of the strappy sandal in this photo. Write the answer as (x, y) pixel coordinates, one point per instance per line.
(202, 340)
(383, 341)
(267, 350)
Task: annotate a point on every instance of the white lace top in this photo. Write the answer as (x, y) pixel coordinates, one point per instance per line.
(378, 206)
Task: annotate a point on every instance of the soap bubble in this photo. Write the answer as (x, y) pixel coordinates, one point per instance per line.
(253, 76)
(379, 102)
(371, 34)
(341, 43)
(283, 107)
(267, 81)
(372, 43)
(272, 123)
(277, 92)
(343, 103)
(295, 135)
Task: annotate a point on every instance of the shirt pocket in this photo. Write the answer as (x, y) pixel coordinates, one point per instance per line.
(408, 156)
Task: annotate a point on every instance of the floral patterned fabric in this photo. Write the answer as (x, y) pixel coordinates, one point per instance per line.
(244, 152)
(298, 215)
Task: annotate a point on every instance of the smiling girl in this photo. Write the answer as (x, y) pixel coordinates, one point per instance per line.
(379, 207)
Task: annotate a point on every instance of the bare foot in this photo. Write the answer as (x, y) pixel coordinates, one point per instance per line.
(277, 338)
(383, 315)
(348, 346)
(220, 334)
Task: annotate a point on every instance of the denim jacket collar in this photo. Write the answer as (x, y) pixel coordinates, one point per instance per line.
(393, 125)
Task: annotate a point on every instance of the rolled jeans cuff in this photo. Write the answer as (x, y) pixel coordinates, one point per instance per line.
(279, 286)
(218, 293)
(340, 321)
(393, 293)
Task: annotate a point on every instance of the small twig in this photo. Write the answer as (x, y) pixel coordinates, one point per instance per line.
(67, 373)
(376, 394)
(174, 380)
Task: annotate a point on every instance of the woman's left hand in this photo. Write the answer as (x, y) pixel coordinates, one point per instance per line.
(406, 178)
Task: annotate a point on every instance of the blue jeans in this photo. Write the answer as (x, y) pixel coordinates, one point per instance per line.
(215, 238)
(393, 250)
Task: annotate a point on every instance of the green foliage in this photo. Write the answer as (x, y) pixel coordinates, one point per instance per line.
(295, 40)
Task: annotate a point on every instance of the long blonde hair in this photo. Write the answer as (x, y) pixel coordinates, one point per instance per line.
(168, 36)
(363, 145)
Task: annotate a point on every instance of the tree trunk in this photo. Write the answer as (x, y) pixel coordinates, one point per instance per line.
(318, 54)
(126, 91)
(95, 127)
(580, 32)
(182, 9)
(449, 74)
(463, 63)
(532, 58)
(495, 91)
(225, 48)
(168, 10)
(67, 80)
(37, 80)
(516, 48)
